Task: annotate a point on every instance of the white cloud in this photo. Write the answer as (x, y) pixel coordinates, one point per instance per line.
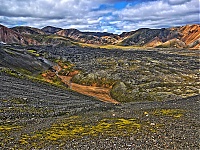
(158, 14)
(85, 15)
(177, 2)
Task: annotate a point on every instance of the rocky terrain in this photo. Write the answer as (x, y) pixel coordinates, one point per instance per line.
(40, 116)
(176, 37)
(157, 91)
(135, 75)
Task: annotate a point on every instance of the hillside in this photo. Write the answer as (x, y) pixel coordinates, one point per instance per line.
(23, 61)
(177, 37)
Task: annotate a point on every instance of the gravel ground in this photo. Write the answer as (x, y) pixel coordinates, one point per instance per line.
(37, 106)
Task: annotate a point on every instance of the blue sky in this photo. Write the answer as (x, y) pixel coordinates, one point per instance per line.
(114, 16)
(120, 5)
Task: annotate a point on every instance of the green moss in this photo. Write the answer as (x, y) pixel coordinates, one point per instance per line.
(33, 52)
(23, 71)
(9, 72)
(23, 141)
(55, 81)
(9, 52)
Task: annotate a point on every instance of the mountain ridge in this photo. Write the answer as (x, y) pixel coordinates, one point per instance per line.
(187, 36)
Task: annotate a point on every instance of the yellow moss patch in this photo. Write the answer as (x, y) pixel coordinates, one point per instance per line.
(7, 128)
(176, 113)
(75, 127)
(23, 141)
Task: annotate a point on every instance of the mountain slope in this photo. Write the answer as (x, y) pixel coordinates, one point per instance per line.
(36, 36)
(21, 60)
(9, 36)
(191, 35)
(28, 30)
(48, 40)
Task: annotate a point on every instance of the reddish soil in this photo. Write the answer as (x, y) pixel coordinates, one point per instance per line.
(100, 93)
(190, 33)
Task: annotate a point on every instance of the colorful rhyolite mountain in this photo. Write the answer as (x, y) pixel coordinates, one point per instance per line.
(177, 37)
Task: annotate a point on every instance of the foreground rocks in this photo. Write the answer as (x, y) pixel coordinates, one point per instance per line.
(40, 116)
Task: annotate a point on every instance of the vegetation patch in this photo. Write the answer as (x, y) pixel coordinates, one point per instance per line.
(76, 127)
(125, 93)
(93, 79)
(33, 52)
(9, 128)
(10, 72)
(5, 133)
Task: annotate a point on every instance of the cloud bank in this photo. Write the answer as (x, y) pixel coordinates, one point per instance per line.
(99, 15)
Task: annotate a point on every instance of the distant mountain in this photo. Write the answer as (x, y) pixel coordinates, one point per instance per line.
(89, 37)
(179, 37)
(30, 36)
(176, 37)
(144, 36)
(50, 29)
(100, 34)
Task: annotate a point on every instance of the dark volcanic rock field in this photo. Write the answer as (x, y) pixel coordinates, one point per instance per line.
(49, 98)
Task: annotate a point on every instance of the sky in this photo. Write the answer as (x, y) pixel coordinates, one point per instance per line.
(115, 16)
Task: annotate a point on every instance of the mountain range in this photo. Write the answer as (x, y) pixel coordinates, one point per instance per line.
(187, 36)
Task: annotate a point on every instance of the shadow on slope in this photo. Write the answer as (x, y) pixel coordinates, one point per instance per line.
(21, 60)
